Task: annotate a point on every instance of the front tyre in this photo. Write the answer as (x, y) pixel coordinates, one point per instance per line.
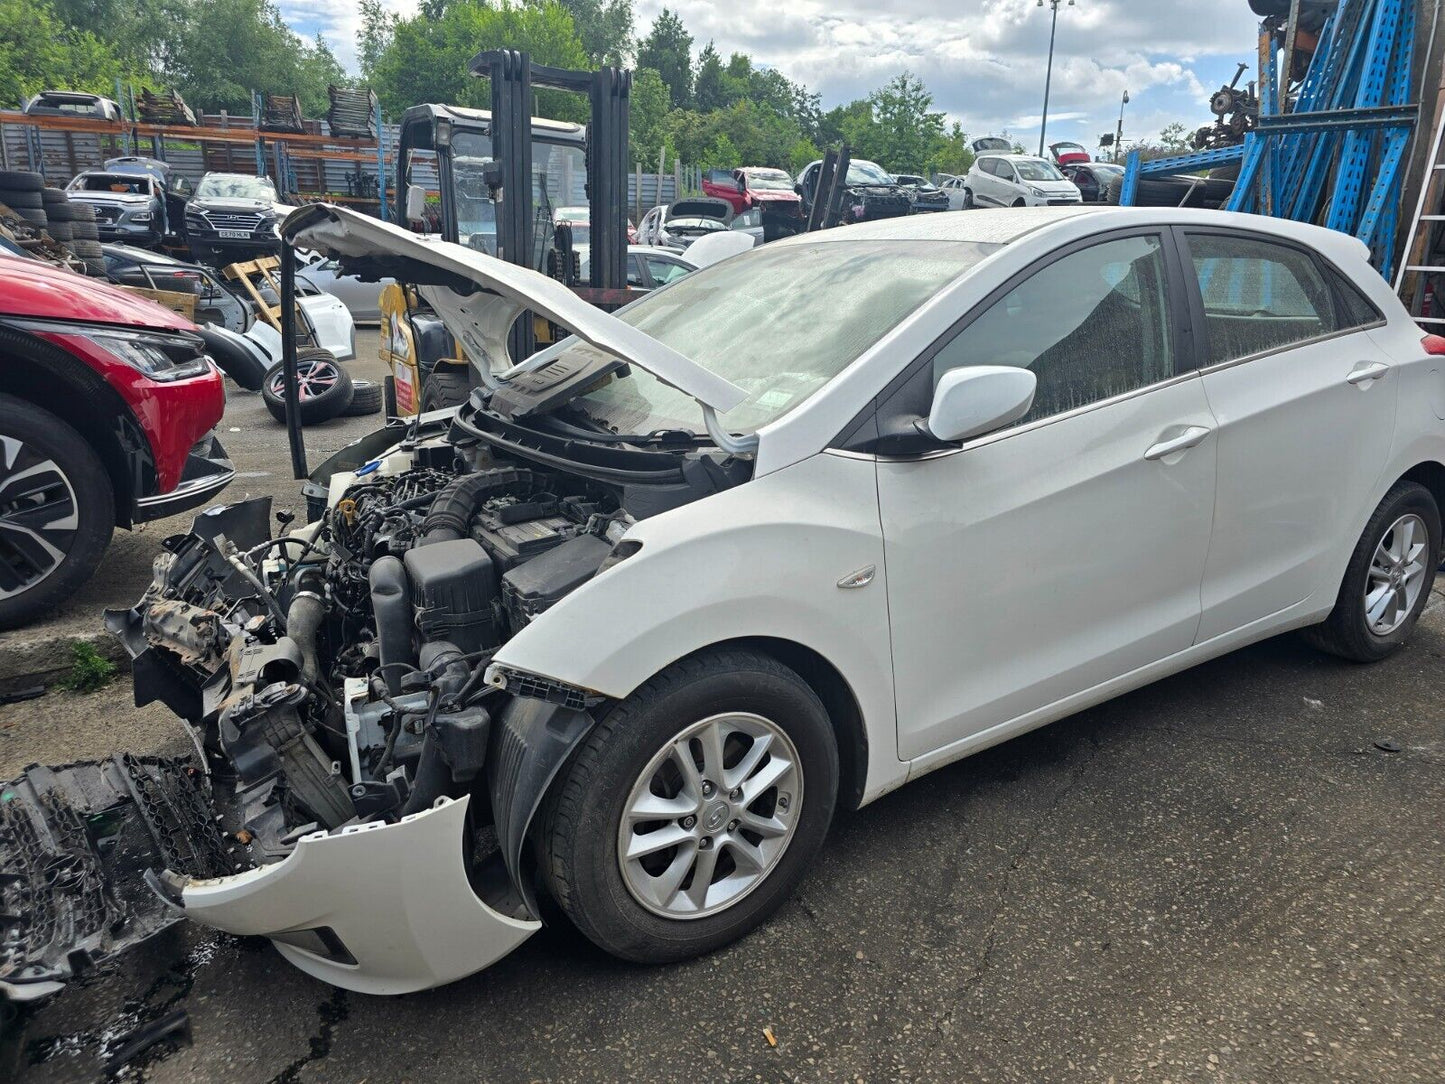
(1388, 581)
(57, 511)
(693, 808)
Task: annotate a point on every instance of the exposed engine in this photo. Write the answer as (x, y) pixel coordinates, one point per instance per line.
(340, 667)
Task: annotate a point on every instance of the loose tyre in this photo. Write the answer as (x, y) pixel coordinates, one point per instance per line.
(85, 231)
(692, 809)
(1388, 581)
(60, 212)
(88, 250)
(323, 388)
(57, 511)
(60, 231)
(36, 219)
(366, 399)
(446, 387)
(83, 212)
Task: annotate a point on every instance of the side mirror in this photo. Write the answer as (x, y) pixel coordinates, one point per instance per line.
(972, 401)
(415, 203)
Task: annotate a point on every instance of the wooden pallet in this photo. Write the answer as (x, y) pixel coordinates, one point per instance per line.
(251, 276)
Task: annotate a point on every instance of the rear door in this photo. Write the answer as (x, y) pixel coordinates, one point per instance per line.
(1306, 404)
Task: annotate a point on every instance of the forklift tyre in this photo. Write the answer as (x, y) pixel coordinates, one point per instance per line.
(446, 387)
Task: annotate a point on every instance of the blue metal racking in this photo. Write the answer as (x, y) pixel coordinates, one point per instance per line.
(1336, 156)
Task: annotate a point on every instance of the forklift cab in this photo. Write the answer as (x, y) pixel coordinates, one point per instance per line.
(447, 162)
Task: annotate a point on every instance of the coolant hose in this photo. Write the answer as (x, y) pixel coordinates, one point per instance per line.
(303, 620)
(451, 512)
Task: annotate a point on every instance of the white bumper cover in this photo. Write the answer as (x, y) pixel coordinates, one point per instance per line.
(392, 901)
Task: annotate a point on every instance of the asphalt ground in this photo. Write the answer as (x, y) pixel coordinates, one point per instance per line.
(1237, 874)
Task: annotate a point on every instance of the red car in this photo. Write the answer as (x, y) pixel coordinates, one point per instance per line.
(107, 402)
(770, 190)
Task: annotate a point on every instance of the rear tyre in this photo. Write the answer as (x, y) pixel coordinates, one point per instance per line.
(693, 808)
(324, 388)
(1388, 581)
(57, 511)
(446, 387)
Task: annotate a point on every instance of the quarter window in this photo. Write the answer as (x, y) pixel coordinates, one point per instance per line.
(1091, 325)
(1258, 295)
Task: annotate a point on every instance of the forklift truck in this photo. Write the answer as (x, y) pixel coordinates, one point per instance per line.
(500, 175)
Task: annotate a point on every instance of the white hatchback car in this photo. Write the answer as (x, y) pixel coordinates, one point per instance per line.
(1017, 180)
(1029, 461)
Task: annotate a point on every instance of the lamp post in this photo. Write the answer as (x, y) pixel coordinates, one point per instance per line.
(1119, 134)
(1049, 76)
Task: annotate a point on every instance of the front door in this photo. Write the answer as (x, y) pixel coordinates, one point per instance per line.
(1040, 561)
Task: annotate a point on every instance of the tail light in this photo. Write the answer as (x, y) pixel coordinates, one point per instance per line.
(1434, 345)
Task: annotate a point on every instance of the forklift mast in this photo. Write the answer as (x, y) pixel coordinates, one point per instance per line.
(609, 90)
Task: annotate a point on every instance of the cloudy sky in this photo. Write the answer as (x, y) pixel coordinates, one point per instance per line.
(982, 59)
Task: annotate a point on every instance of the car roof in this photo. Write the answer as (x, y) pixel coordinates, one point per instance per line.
(1006, 224)
(138, 255)
(1015, 157)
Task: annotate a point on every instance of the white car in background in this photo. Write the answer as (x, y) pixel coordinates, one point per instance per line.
(361, 297)
(1016, 180)
(1029, 461)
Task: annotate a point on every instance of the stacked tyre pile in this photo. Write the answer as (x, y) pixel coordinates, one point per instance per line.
(24, 194)
(325, 390)
(42, 210)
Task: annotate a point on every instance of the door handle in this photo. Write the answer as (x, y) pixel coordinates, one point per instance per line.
(1367, 371)
(1192, 435)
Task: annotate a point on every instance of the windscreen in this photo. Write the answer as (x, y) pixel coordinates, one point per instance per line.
(755, 319)
(863, 172)
(235, 186)
(1036, 169)
(768, 180)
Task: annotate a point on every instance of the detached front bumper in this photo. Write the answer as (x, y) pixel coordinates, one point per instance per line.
(377, 908)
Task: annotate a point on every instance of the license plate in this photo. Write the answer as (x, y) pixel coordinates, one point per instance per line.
(238, 235)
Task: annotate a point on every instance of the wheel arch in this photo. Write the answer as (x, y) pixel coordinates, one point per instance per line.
(833, 689)
(45, 375)
(1429, 474)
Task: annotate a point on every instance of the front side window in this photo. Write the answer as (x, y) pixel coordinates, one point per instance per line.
(1258, 295)
(1091, 325)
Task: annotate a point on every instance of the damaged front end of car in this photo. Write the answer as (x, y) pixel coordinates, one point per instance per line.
(364, 776)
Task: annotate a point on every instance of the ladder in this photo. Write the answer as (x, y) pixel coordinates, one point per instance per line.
(1410, 283)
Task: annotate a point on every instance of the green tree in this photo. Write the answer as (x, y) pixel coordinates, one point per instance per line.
(720, 154)
(230, 47)
(39, 51)
(649, 131)
(905, 131)
(667, 50)
(425, 60)
(1175, 137)
(709, 89)
(378, 27)
(951, 153)
(604, 27)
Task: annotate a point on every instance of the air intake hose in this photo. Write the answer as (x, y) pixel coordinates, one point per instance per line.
(450, 515)
(391, 603)
(303, 619)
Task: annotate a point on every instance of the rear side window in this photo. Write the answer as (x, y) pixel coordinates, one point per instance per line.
(1258, 296)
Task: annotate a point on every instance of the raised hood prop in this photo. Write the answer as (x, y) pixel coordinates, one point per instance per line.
(478, 297)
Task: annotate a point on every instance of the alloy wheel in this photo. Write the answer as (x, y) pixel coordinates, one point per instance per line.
(710, 816)
(39, 516)
(1397, 574)
(313, 378)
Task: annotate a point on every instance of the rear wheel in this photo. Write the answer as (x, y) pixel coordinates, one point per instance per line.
(693, 809)
(447, 386)
(57, 511)
(1388, 581)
